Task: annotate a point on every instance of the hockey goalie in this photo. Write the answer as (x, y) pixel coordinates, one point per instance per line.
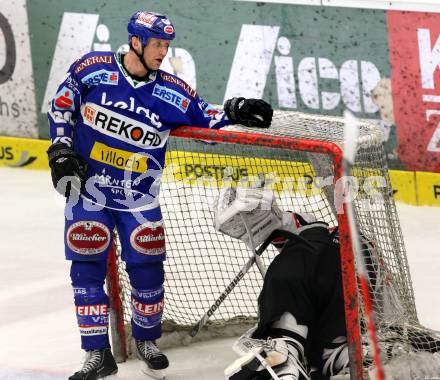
(301, 329)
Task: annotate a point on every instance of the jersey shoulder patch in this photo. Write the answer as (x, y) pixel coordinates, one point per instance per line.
(172, 96)
(179, 83)
(97, 68)
(93, 60)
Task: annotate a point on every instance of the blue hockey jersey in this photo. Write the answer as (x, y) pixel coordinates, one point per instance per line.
(120, 126)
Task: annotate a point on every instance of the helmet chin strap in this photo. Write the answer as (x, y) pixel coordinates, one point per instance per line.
(141, 59)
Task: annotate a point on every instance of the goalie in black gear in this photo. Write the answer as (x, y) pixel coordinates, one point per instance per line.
(301, 329)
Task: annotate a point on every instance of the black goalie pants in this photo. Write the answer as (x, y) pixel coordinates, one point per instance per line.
(305, 280)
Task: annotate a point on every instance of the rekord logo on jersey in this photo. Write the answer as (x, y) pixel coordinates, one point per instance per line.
(64, 99)
(172, 97)
(122, 128)
(101, 77)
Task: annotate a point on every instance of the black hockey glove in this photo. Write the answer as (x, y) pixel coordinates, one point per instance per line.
(64, 161)
(249, 112)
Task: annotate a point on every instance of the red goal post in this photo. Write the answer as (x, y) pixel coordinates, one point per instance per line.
(200, 262)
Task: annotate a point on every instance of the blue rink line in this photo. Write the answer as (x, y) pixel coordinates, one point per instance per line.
(24, 374)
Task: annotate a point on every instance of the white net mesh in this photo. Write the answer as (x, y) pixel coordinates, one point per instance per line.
(201, 262)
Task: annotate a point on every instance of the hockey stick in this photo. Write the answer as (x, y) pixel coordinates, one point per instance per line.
(351, 133)
(202, 322)
(275, 234)
(258, 261)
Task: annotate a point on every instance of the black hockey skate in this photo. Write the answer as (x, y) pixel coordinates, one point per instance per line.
(97, 365)
(153, 361)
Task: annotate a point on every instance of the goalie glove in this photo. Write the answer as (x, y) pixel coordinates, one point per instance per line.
(249, 112)
(255, 209)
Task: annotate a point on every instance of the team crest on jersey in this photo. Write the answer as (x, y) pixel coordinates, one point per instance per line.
(171, 97)
(64, 100)
(101, 77)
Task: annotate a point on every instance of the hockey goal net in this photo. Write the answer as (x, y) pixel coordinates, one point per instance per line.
(303, 155)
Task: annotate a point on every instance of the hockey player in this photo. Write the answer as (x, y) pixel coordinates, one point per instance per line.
(301, 330)
(109, 124)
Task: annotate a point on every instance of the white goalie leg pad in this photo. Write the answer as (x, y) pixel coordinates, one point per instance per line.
(247, 366)
(296, 364)
(159, 374)
(282, 357)
(295, 367)
(267, 356)
(245, 343)
(288, 322)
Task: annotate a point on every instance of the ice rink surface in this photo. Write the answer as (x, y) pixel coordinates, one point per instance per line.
(38, 333)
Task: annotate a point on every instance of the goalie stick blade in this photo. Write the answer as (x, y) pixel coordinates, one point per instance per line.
(196, 328)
